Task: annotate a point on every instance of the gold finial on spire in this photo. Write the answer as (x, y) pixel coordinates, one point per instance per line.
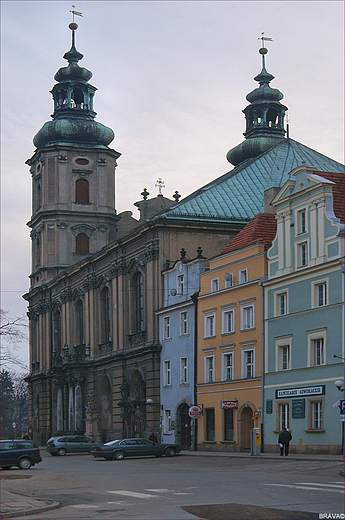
(160, 184)
(75, 13)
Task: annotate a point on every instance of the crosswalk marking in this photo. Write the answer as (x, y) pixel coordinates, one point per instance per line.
(133, 494)
(158, 490)
(335, 485)
(312, 487)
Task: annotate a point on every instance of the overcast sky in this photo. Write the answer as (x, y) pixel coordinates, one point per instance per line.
(172, 79)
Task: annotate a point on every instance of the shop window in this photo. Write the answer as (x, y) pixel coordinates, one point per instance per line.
(210, 424)
(228, 421)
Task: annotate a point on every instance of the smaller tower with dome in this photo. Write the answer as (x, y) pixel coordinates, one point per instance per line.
(264, 117)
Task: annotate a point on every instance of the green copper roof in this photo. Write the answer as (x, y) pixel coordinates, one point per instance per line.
(239, 194)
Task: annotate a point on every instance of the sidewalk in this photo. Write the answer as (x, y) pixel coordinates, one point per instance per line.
(16, 504)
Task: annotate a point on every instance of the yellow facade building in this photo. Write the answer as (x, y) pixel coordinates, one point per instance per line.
(229, 339)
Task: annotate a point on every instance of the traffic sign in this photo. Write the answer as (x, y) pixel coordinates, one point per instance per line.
(342, 406)
(195, 412)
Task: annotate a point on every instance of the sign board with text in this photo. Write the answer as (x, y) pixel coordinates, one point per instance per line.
(195, 412)
(228, 404)
(305, 391)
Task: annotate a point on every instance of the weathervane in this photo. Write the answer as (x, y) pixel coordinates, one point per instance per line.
(264, 39)
(160, 184)
(75, 13)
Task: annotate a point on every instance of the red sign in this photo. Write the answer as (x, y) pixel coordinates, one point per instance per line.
(229, 404)
(195, 412)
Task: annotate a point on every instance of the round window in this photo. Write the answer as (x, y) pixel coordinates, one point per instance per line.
(82, 161)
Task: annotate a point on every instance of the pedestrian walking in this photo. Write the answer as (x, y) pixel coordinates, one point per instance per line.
(153, 437)
(284, 441)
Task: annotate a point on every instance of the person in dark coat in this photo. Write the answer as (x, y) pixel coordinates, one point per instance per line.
(284, 441)
(153, 437)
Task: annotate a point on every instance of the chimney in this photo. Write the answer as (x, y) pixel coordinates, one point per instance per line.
(268, 197)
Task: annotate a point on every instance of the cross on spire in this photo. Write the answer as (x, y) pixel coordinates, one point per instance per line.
(160, 184)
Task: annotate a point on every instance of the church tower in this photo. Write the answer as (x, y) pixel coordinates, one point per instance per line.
(264, 118)
(73, 176)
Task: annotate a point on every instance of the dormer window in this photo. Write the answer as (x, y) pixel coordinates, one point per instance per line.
(180, 284)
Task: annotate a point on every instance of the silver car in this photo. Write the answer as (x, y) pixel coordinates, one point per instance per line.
(70, 444)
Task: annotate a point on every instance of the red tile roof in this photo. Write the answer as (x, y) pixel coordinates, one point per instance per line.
(338, 192)
(261, 229)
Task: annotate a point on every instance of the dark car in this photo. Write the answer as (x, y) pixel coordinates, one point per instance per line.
(21, 453)
(70, 444)
(120, 449)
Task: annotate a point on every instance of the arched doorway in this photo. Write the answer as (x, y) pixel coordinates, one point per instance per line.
(183, 427)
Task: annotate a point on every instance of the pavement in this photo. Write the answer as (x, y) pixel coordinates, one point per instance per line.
(16, 504)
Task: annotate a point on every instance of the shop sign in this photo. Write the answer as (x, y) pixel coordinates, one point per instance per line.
(195, 412)
(228, 404)
(298, 408)
(304, 391)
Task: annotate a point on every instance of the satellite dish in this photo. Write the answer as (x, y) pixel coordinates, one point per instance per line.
(173, 292)
(227, 277)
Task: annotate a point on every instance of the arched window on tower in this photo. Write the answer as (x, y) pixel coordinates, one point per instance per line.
(57, 333)
(272, 116)
(79, 323)
(105, 315)
(138, 294)
(82, 191)
(78, 97)
(82, 243)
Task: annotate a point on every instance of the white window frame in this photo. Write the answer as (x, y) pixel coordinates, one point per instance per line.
(315, 288)
(243, 276)
(280, 344)
(312, 338)
(316, 414)
(167, 373)
(210, 325)
(302, 259)
(244, 323)
(166, 327)
(215, 285)
(209, 368)
(278, 302)
(225, 321)
(230, 282)
(167, 421)
(284, 415)
(245, 364)
(302, 224)
(183, 323)
(180, 284)
(227, 366)
(184, 370)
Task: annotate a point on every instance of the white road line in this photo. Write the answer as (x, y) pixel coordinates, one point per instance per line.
(133, 494)
(84, 506)
(158, 490)
(310, 488)
(340, 486)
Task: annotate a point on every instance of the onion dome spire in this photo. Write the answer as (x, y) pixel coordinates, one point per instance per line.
(73, 117)
(264, 117)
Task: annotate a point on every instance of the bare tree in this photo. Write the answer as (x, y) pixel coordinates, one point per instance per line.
(12, 332)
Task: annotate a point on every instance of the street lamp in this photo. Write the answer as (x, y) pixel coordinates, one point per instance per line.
(339, 383)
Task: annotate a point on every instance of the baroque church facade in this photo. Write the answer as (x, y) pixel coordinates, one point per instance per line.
(97, 276)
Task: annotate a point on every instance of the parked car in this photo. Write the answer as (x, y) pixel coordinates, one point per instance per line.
(18, 452)
(70, 444)
(119, 449)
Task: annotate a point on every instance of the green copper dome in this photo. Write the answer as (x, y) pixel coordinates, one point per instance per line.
(73, 118)
(264, 119)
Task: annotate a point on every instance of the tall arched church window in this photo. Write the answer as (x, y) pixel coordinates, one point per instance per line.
(79, 323)
(57, 333)
(105, 314)
(138, 287)
(82, 191)
(82, 243)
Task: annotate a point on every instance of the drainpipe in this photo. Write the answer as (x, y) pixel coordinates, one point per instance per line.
(50, 361)
(262, 359)
(194, 299)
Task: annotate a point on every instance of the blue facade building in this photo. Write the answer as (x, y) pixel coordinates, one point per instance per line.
(177, 337)
(304, 314)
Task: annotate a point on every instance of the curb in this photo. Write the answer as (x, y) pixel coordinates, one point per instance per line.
(49, 505)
